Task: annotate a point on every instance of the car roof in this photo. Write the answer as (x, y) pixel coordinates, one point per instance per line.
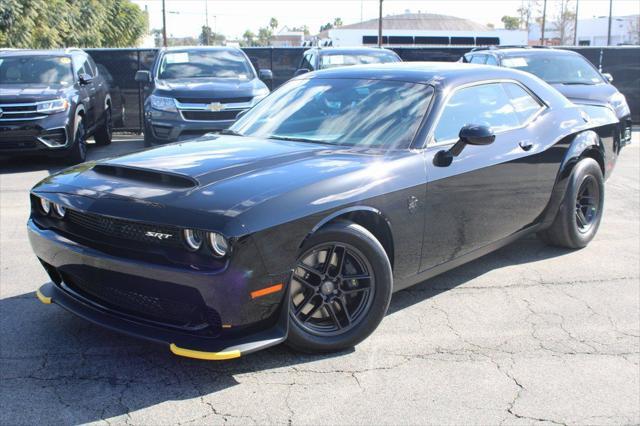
(509, 51)
(36, 52)
(353, 50)
(442, 73)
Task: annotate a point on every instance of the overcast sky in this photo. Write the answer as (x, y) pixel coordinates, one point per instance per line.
(233, 17)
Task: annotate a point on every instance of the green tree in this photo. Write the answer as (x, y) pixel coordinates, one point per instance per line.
(264, 36)
(62, 23)
(273, 24)
(337, 22)
(248, 39)
(511, 22)
(326, 26)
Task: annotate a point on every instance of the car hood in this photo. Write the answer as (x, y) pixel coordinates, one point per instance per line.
(30, 92)
(215, 180)
(208, 87)
(590, 93)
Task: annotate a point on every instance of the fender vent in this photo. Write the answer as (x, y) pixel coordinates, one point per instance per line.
(149, 176)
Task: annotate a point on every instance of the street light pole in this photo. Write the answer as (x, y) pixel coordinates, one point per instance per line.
(380, 26)
(575, 25)
(206, 22)
(164, 25)
(609, 28)
(544, 18)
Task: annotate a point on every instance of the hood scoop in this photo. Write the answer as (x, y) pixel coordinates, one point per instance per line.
(161, 178)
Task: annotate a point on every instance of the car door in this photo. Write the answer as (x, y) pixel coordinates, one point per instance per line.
(488, 192)
(88, 92)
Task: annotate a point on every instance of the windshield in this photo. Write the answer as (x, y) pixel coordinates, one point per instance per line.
(48, 70)
(563, 69)
(203, 64)
(363, 113)
(331, 60)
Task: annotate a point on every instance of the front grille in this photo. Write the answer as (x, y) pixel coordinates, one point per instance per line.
(17, 144)
(20, 112)
(186, 309)
(17, 139)
(210, 115)
(214, 100)
(91, 225)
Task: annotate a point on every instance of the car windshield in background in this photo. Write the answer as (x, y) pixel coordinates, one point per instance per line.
(55, 70)
(340, 60)
(363, 113)
(205, 64)
(555, 69)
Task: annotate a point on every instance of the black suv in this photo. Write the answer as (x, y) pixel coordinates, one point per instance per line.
(195, 90)
(318, 58)
(568, 72)
(51, 101)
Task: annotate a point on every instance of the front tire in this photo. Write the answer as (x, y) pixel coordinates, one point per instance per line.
(104, 134)
(78, 150)
(340, 289)
(580, 213)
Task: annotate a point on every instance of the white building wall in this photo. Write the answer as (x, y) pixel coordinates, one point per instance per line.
(353, 37)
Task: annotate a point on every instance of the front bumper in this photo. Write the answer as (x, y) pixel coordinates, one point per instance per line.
(173, 127)
(49, 135)
(64, 258)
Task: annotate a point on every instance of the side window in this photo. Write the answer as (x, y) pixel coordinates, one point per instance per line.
(306, 61)
(525, 105)
(486, 104)
(81, 65)
(478, 59)
(491, 60)
(93, 66)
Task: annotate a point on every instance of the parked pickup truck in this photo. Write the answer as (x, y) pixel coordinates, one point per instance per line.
(51, 101)
(196, 90)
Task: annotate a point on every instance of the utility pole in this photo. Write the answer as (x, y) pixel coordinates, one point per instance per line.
(206, 22)
(164, 26)
(380, 26)
(609, 28)
(575, 25)
(544, 18)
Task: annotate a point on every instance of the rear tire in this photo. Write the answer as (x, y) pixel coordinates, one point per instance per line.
(337, 304)
(78, 150)
(105, 133)
(149, 140)
(580, 213)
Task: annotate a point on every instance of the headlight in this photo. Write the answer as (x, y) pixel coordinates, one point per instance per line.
(218, 243)
(619, 103)
(193, 239)
(45, 205)
(163, 104)
(259, 96)
(50, 107)
(59, 210)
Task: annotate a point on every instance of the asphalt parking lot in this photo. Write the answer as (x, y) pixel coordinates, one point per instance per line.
(529, 334)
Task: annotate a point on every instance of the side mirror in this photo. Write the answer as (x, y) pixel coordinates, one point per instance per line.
(265, 75)
(470, 134)
(301, 71)
(608, 76)
(143, 76)
(85, 78)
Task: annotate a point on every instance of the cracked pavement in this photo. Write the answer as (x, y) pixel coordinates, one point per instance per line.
(526, 335)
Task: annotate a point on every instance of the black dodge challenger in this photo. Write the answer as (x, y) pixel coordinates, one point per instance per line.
(338, 189)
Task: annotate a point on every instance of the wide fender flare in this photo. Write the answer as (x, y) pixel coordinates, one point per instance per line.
(584, 144)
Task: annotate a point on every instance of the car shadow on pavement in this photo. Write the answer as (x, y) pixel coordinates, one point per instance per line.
(21, 164)
(47, 353)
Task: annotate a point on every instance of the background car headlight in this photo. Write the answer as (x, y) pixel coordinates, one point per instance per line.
(192, 238)
(219, 244)
(163, 104)
(45, 205)
(53, 106)
(59, 210)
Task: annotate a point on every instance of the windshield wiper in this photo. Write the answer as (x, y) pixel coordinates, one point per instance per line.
(230, 132)
(295, 139)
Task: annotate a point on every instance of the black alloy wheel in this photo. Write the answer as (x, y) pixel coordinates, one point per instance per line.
(104, 135)
(587, 204)
(340, 289)
(78, 151)
(331, 289)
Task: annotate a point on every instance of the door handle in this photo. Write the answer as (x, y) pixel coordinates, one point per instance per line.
(526, 146)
